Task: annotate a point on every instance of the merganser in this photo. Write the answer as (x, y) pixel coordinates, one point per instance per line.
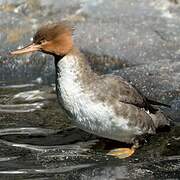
(104, 105)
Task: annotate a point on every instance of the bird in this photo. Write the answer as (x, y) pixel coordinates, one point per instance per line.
(105, 105)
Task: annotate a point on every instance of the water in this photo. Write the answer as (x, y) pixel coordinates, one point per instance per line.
(38, 141)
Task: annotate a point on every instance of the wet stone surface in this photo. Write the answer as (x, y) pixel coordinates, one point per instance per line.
(138, 40)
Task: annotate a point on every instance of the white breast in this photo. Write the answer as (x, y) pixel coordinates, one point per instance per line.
(92, 116)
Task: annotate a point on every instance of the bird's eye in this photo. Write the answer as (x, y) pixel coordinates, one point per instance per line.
(42, 41)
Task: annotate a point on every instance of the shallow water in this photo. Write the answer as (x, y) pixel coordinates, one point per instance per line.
(37, 141)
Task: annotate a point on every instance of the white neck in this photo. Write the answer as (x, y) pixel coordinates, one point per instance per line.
(71, 68)
(72, 71)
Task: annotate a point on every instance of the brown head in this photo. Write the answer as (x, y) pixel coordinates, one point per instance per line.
(55, 39)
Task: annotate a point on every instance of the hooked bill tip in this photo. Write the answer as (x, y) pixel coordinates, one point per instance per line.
(27, 49)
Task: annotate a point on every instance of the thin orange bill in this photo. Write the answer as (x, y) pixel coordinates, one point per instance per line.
(29, 48)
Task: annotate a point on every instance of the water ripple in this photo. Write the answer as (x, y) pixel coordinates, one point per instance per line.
(20, 108)
(3, 159)
(74, 147)
(52, 170)
(17, 86)
(27, 131)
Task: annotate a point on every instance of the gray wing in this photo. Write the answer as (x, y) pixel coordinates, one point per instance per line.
(135, 106)
(119, 89)
(126, 93)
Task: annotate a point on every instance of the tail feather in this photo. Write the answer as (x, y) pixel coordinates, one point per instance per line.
(157, 103)
(160, 119)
